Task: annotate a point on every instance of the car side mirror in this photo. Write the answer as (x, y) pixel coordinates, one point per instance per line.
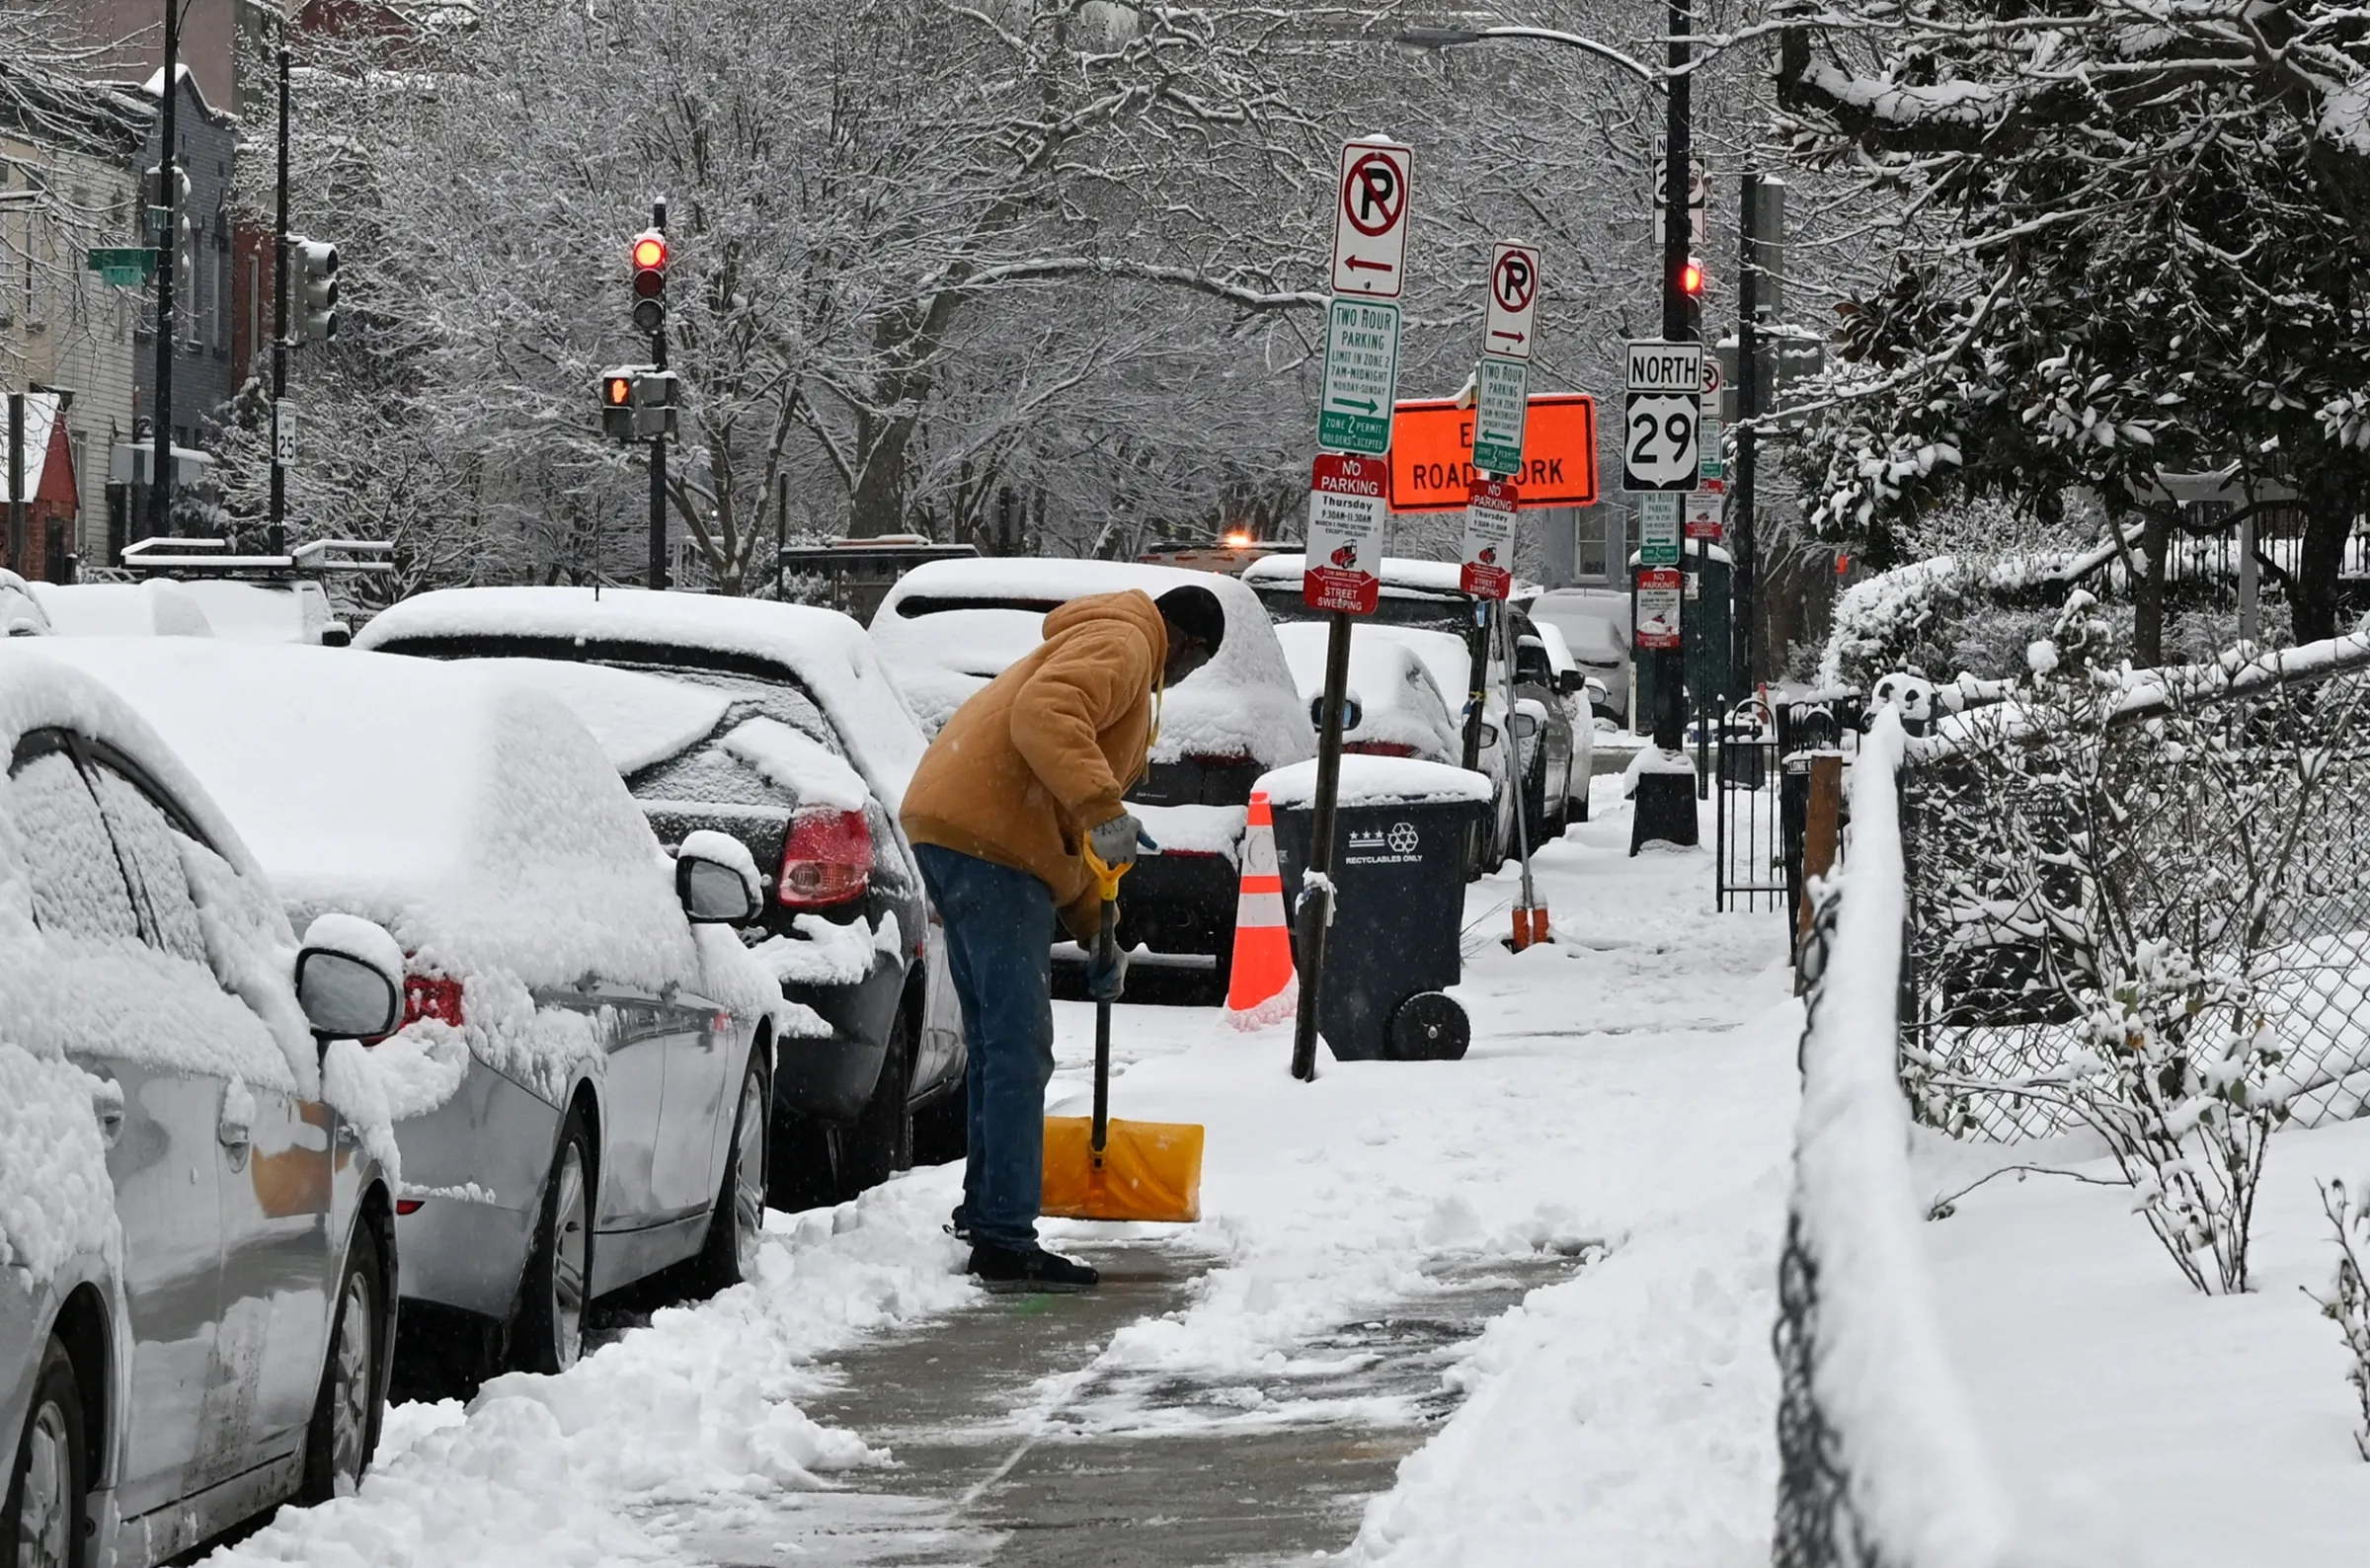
(350, 978)
(1489, 734)
(1525, 726)
(1568, 682)
(716, 878)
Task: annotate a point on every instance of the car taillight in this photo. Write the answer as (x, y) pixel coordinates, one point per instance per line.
(827, 859)
(1380, 748)
(436, 996)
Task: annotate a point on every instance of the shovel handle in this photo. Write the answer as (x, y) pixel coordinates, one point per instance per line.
(1106, 941)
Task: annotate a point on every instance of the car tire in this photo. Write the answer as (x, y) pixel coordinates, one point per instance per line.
(344, 1431)
(547, 1335)
(942, 1128)
(730, 1253)
(880, 1143)
(50, 1473)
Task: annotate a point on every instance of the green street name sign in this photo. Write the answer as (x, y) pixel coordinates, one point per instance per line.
(1362, 377)
(122, 267)
(1501, 406)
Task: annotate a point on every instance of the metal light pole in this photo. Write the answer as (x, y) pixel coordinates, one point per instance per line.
(277, 534)
(1742, 612)
(657, 442)
(168, 179)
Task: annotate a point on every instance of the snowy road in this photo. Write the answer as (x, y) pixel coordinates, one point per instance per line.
(1594, 1191)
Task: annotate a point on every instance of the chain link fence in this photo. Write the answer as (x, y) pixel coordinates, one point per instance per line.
(2223, 813)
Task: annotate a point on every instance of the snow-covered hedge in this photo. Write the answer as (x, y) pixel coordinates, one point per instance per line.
(1878, 1446)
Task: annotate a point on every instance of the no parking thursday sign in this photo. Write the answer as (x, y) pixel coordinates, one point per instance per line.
(1346, 509)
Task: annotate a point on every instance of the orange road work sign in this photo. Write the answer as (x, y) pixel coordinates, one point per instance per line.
(1432, 454)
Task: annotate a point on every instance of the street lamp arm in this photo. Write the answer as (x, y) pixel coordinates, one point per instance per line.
(1448, 38)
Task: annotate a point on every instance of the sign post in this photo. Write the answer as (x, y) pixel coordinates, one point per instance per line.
(1661, 460)
(1348, 496)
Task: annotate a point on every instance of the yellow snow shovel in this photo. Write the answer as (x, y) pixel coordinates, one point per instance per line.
(1096, 1168)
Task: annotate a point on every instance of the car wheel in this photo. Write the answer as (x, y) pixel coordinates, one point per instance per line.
(549, 1333)
(880, 1143)
(344, 1427)
(49, 1487)
(738, 1220)
(942, 1128)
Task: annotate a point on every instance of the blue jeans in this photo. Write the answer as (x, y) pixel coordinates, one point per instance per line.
(999, 937)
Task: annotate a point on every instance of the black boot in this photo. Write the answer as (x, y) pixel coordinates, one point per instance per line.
(1036, 1269)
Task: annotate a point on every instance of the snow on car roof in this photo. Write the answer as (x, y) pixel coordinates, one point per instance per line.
(638, 719)
(828, 652)
(949, 627)
(154, 608)
(1398, 698)
(1375, 780)
(1398, 571)
(471, 815)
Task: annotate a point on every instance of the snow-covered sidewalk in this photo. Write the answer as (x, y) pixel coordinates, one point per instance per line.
(1630, 1088)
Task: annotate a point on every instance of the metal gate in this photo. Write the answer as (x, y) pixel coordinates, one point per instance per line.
(1749, 842)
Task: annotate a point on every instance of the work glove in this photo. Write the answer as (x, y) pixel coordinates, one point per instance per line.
(1114, 842)
(1106, 970)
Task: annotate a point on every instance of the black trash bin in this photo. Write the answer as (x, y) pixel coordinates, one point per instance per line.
(1398, 876)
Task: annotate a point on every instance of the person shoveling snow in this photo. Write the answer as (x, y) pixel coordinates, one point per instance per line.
(1024, 779)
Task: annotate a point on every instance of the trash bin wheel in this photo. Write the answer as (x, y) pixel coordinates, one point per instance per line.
(1430, 1027)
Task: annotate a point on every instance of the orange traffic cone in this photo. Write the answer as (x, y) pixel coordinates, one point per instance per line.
(1264, 989)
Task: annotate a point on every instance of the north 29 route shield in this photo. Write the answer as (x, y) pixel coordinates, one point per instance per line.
(1659, 412)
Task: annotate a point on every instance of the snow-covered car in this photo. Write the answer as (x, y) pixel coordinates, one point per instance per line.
(1424, 595)
(776, 725)
(197, 1211)
(298, 610)
(948, 628)
(1595, 623)
(1395, 707)
(1542, 658)
(578, 1086)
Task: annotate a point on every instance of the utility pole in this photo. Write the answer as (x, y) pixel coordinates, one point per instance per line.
(168, 179)
(17, 541)
(657, 442)
(277, 532)
(1670, 664)
(1743, 612)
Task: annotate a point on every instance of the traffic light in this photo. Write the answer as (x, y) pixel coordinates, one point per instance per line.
(649, 260)
(315, 317)
(1691, 289)
(638, 402)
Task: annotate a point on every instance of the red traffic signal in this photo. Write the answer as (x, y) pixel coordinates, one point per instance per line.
(1690, 278)
(617, 391)
(648, 257)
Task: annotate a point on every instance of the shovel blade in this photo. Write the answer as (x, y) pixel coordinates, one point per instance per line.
(1148, 1170)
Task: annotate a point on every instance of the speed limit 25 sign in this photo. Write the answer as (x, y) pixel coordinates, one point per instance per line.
(1658, 416)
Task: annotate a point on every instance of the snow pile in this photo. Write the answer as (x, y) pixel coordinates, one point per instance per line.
(698, 1410)
(790, 760)
(638, 719)
(1920, 1479)
(822, 650)
(156, 607)
(949, 627)
(1376, 781)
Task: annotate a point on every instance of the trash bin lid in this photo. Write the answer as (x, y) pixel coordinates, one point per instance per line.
(1376, 781)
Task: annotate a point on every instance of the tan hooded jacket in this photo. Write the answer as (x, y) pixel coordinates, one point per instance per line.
(1044, 751)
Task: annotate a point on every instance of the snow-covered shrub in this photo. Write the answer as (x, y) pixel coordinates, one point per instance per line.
(2123, 902)
(1901, 619)
(2347, 1304)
